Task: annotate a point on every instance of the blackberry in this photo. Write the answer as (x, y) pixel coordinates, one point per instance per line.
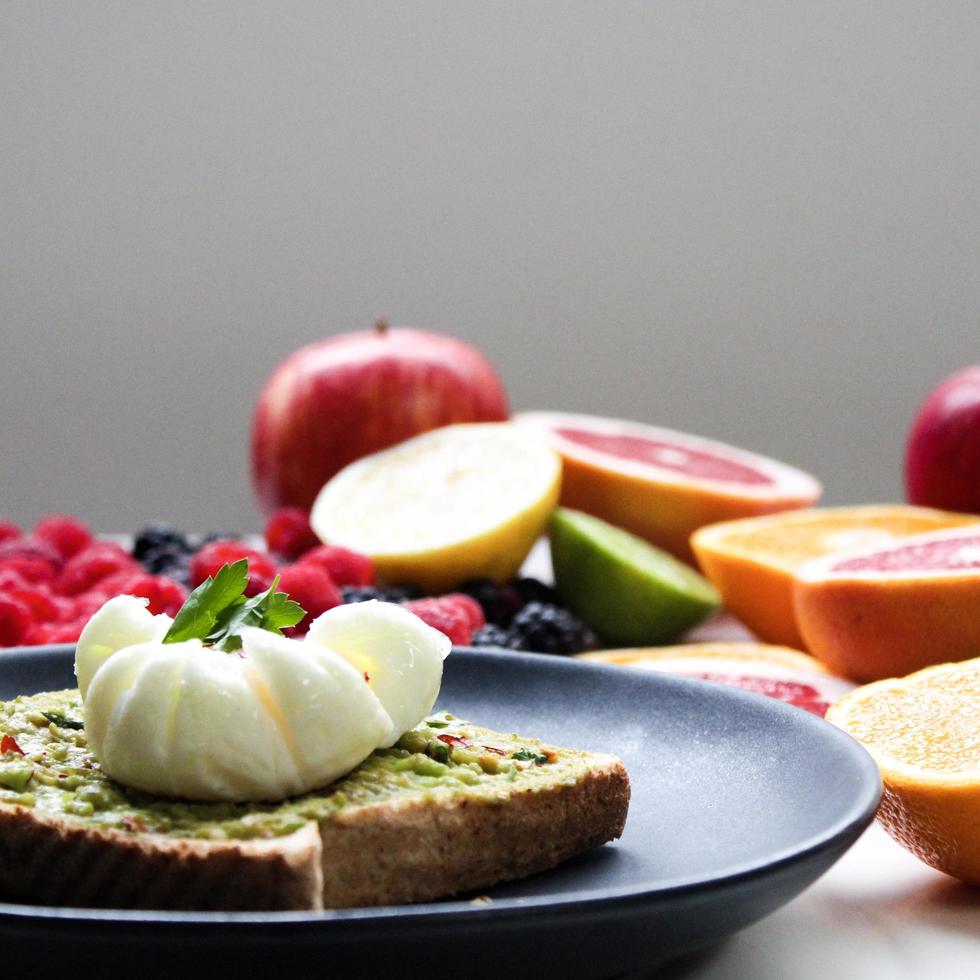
(211, 536)
(534, 590)
(358, 593)
(547, 628)
(154, 536)
(498, 602)
(492, 635)
(168, 559)
(401, 593)
(384, 593)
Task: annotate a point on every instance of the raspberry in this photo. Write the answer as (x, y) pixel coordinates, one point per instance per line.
(447, 617)
(34, 571)
(67, 534)
(83, 607)
(470, 607)
(212, 556)
(38, 634)
(29, 551)
(288, 533)
(9, 531)
(92, 564)
(40, 604)
(42, 633)
(165, 595)
(11, 578)
(344, 567)
(15, 621)
(95, 562)
(313, 589)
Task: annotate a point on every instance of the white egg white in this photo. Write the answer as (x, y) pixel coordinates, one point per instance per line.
(276, 718)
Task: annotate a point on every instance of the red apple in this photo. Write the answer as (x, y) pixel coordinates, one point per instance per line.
(334, 401)
(942, 461)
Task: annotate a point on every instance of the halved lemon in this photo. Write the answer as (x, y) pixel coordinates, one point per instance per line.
(464, 501)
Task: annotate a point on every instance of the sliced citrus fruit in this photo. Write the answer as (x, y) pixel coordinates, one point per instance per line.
(886, 611)
(464, 501)
(776, 671)
(924, 732)
(751, 562)
(624, 588)
(661, 484)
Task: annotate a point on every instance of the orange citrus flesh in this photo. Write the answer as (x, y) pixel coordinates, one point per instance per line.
(752, 562)
(924, 733)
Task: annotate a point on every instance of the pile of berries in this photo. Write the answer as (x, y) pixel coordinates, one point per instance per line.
(55, 577)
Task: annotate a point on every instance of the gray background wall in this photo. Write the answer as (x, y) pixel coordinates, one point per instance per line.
(756, 221)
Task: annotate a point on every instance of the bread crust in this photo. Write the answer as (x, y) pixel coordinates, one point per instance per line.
(57, 862)
(418, 850)
(387, 853)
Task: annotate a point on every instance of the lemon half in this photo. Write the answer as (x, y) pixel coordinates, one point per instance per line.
(459, 502)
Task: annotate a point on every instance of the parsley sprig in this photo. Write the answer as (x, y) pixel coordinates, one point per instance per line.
(218, 610)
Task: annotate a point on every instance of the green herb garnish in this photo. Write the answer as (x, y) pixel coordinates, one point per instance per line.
(63, 721)
(218, 610)
(526, 755)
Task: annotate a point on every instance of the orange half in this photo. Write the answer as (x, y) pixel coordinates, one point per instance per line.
(924, 733)
(753, 562)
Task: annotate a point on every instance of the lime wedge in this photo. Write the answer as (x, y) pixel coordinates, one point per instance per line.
(628, 591)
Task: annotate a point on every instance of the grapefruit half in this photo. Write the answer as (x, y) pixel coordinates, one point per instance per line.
(660, 484)
(752, 562)
(776, 671)
(886, 611)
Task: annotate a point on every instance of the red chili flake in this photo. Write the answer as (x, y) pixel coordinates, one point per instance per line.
(9, 744)
(367, 677)
(495, 750)
(455, 740)
(133, 823)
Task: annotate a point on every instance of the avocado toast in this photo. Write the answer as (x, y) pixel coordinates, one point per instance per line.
(449, 808)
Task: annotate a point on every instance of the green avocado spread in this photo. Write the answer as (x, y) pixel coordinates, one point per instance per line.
(45, 764)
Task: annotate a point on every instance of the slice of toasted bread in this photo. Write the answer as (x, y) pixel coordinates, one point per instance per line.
(451, 808)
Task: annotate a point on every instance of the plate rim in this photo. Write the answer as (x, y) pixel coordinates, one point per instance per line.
(853, 820)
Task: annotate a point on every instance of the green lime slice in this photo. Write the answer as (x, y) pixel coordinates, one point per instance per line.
(628, 591)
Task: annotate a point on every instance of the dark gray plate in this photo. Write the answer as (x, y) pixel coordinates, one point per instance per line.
(739, 802)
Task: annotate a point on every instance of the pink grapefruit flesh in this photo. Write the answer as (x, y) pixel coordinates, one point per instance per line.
(686, 461)
(662, 484)
(888, 611)
(775, 671)
(950, 554)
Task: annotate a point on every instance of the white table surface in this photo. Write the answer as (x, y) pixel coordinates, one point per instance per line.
(878, 914)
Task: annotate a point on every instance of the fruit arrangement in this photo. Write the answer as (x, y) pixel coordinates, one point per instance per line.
(388, 466)
(54, 578)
